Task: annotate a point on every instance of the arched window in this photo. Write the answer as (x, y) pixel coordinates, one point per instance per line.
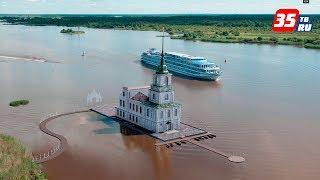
(166, 97)
(167, 80)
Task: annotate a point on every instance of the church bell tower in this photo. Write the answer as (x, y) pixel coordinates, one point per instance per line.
(161, 91)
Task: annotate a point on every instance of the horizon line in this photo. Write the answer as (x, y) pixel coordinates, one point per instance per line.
(148, 14)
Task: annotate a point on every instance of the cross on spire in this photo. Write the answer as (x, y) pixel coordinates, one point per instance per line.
(162, 69)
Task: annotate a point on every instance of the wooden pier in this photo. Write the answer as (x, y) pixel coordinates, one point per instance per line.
(195, 140)
(184, 139)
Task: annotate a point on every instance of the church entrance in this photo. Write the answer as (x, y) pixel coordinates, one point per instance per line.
(169, 126)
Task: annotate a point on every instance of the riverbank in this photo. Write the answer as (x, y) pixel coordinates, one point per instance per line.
(208, 28)
(16, 162)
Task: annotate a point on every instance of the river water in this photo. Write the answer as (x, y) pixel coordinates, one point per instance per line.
(265, 108)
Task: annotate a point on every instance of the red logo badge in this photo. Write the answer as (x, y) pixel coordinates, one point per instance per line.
(285, 20)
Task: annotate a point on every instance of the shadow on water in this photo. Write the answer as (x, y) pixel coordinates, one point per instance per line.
(133, 138)
(115, 125)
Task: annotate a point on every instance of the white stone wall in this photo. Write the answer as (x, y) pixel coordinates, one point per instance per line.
(162, 79)
(155, 122)
(135, 116)
(163, 118)
(160, 97)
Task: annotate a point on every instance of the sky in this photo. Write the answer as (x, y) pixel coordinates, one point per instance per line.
(154, 6)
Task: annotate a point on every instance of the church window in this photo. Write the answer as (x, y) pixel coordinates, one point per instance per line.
(153, 96)
(140, 110)
(166, 97)
(136, 108)
(176, 112)
(169, 113)
(147, 112)
(123, 94)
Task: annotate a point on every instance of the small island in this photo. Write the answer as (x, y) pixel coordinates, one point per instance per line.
(19, 102)
(71, 31)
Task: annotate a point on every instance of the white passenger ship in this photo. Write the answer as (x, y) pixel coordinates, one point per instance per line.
(194, 67)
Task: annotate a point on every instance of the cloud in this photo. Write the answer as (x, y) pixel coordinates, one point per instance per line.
(92, 4)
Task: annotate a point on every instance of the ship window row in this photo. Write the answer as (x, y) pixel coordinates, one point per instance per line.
(189, 65)
(187, 61)
(192, 69)
(195, 70)
(192, 66)
(122, 103)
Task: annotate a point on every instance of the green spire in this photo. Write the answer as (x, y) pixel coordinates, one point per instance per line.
(162, 69)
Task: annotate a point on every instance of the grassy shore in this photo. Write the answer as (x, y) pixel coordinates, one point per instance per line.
(209, 28)
(16, 162)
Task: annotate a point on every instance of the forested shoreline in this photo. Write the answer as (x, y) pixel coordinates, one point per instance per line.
(209, 28)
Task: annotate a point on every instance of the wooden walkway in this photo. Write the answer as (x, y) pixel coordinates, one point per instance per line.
(195, 140)
(57, 150)
(208, 148)
(185, 139)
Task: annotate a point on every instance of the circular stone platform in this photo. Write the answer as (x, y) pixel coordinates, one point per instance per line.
(236, 159)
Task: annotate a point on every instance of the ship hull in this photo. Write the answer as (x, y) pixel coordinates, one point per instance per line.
(179, 71)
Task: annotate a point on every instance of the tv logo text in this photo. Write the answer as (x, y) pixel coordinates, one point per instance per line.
(289, 20)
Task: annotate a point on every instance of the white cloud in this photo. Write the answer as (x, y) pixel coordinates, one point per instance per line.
(92, 4)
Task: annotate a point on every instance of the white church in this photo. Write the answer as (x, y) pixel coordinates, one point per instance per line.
(151, 107)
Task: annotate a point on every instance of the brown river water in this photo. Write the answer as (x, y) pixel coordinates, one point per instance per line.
(265, 108)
